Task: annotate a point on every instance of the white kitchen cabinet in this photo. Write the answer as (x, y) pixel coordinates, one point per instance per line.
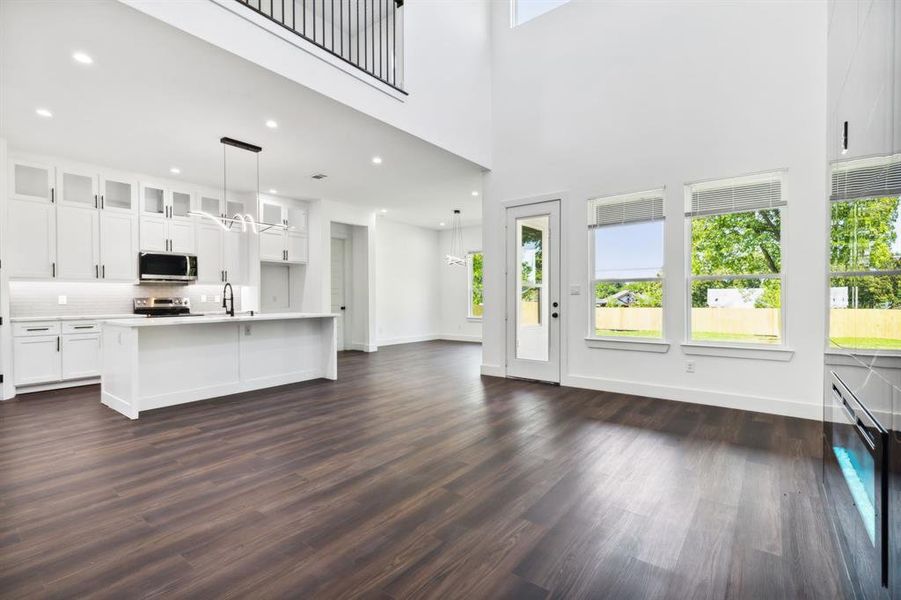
(118, 246)
(297, 247)
(235, 257)
(154, 234)
(80, 356)
(211, 204)
(272, 246)
(32, 239)
(293, 217)
(37, 359)
(210, 254)
(77, 242)
(166, 225)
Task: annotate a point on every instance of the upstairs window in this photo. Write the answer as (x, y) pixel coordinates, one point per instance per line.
(865, 254)
(735, 284)
(475, 292)
(526, 10)
(626, 235)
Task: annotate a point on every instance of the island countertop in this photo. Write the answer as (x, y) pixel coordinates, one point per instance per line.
(217, 318)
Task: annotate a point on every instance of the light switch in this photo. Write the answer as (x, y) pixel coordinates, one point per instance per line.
(575, 290)
(63, 300)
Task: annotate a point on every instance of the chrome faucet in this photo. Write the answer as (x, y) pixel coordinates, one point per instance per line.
(228, 302)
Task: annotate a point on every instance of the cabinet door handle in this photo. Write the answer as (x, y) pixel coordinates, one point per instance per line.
(102, 205)
(96, 271)
(53, 269)
(96, 202)
(226, 274)
(103, 271)
(57, 343)
(52, 195)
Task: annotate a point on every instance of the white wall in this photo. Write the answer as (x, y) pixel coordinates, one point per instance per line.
(454, 290)
(598, 98)
(407, 288)
(446, 69)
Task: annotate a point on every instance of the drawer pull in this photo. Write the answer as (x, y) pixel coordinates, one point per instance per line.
(37, 328)
(83, 327)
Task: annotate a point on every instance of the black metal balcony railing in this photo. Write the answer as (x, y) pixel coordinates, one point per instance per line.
(367, 34)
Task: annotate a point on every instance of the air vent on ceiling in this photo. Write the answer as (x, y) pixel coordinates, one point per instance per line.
(320, 176)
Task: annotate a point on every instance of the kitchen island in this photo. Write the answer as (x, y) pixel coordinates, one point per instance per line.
(150, 363)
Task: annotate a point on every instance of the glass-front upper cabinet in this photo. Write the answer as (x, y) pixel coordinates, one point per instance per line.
(32, 181)
(153, 200)
(181, 204)
(78, 188)
(211, 205)
(272, 213)
(117, 194)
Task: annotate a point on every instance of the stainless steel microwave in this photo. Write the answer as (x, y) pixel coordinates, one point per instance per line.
(158, 266)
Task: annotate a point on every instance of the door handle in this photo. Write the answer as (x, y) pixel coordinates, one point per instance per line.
(555, 315)
(103, 272)
(97, 271)
(53, 269)
(96, 202)
(343, 308)
(555, 304)
(101, 201)
(57, 343)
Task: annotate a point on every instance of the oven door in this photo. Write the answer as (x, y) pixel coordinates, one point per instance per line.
(855, 478)
(155, 266)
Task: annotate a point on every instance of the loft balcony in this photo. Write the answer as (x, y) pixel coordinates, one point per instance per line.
(367, 34)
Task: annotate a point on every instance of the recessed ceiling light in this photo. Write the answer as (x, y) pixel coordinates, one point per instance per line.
(273, 191)
(441, 223)
(175, 170)
(271, 124)
(43, 112)
(475, 193)
(384, 210)
(82, 58)
(376, 160)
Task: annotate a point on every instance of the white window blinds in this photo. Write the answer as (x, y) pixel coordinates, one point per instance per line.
(627, 208)
(867, 178)
(739, 194)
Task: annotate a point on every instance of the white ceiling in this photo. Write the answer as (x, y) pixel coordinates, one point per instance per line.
(156, 97)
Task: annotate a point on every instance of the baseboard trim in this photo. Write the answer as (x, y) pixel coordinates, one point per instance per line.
(476, 339)
(776, 406)
(361, 347)
(493, 370)
(410, 339)
(56, 385)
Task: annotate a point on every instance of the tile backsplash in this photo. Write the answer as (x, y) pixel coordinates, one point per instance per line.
(41, 298)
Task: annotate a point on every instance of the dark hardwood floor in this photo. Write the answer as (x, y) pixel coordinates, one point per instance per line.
(410, 477)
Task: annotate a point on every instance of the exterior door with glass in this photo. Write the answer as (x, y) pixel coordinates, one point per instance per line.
(533, 291)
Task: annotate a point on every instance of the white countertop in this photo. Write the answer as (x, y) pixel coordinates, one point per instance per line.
(73, 318)
(217, 318)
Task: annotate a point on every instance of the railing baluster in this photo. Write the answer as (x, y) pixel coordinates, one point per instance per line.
(378, 57)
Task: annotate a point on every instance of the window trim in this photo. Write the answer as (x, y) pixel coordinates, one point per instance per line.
(648, 344)
(469, 254)
(737, 348)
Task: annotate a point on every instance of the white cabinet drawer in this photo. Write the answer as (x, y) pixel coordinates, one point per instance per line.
(36, 328)
(80, 327)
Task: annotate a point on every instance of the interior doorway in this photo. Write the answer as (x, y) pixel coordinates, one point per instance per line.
(349, 282)
(340, 284)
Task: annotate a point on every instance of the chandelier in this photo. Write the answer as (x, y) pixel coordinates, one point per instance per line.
(456, 256)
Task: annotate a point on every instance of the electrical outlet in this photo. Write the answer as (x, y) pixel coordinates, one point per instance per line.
(63, 300)
(689, 366)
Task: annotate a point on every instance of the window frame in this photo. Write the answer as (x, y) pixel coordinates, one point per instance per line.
(626, 342)
(842, 173)
(469, 274)
(752, 347)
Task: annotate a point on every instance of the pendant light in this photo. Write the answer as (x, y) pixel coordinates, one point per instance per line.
(456, 256)
(257, 226)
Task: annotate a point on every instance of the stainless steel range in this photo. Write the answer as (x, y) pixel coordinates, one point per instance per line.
(163, 307)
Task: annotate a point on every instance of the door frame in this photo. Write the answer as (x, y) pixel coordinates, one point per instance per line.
(343, 343)
(509, 299)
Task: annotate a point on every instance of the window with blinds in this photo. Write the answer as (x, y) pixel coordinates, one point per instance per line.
(735, 195)
(735, 248)
(626, 233)
(865, 254)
